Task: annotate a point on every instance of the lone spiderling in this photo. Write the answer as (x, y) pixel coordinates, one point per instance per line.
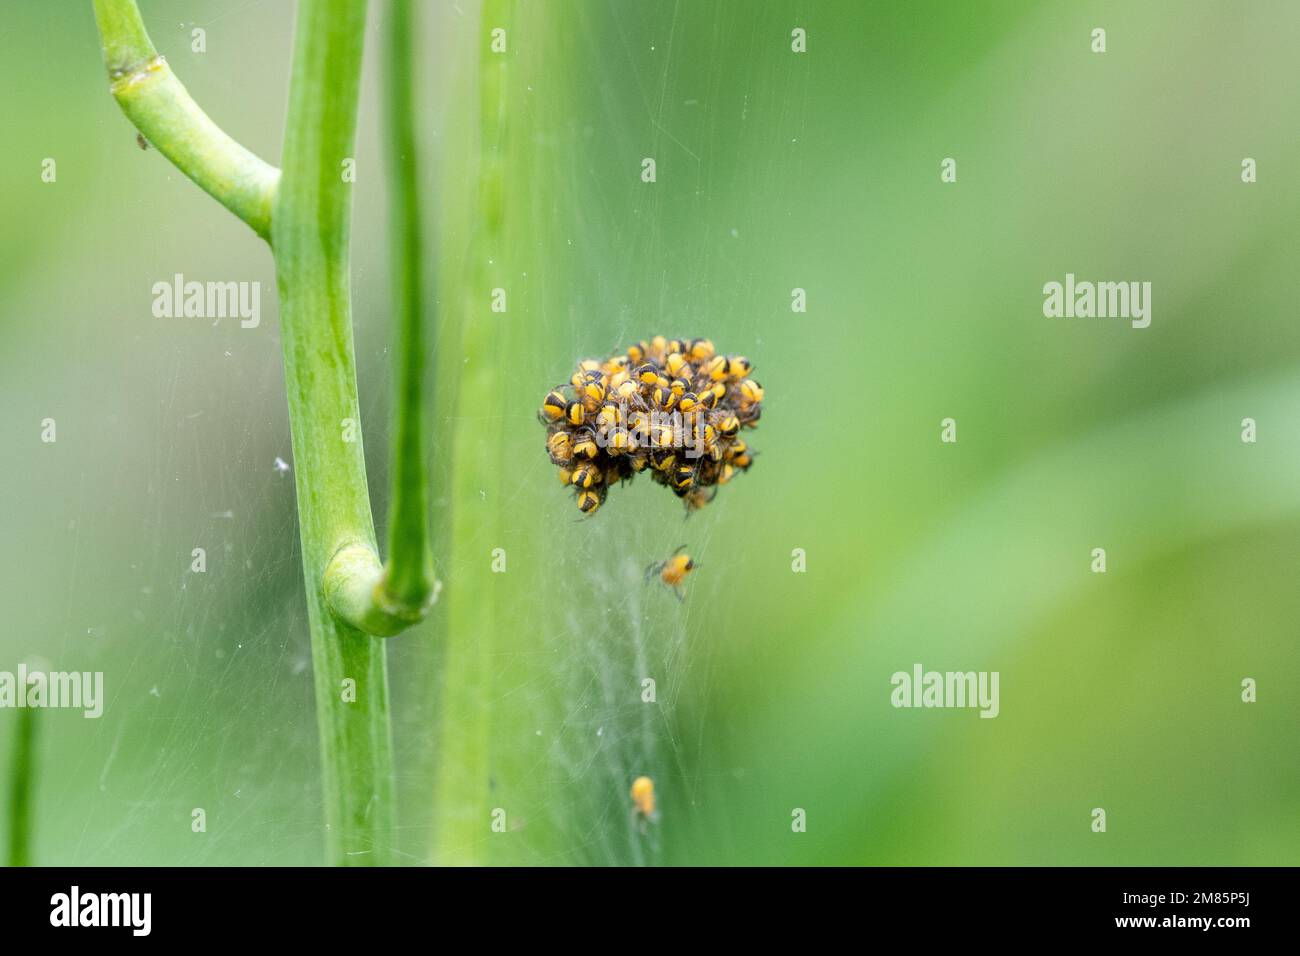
(673, 571)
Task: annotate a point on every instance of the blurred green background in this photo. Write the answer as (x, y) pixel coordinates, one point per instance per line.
(775, 170)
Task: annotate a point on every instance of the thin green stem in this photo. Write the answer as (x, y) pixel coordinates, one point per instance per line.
(409, 579)
(385, 600)
(310, 235)
(22, 782)
(160, 107)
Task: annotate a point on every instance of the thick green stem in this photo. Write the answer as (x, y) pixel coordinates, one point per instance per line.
(157, 103)
(462, 793)
(21, 784)
(310, 235)
(306, 213)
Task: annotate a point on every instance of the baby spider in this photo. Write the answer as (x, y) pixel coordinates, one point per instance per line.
(643, 802)
(673, 571)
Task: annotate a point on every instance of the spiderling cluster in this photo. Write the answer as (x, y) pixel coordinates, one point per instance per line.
(670, 407)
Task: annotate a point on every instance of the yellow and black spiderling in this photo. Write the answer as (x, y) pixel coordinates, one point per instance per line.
(553, 406)
(673, 570)
(671, 408)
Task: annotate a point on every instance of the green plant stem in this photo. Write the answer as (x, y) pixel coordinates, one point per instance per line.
(386, 600)
(310, 235)
(462, 792)
(409, 578)
(305, 212)
(22, 782)
(160, 107)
